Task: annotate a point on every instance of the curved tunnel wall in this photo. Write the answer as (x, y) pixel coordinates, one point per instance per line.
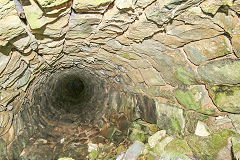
(175, 64)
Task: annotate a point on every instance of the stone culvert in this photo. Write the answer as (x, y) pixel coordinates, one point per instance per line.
(79, 75)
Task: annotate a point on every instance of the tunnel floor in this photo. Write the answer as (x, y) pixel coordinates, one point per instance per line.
(65, 140)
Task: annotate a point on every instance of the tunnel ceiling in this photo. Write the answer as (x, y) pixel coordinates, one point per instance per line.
(172, 63)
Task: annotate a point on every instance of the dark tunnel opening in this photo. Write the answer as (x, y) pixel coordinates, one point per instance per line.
(74, 94)
(70, 88)
(73, 108)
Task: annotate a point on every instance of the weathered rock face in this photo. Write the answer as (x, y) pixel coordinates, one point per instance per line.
(91, 6)
(222, 71)
(226, 98)
(200, 51)
(196, 99)
(77, 73)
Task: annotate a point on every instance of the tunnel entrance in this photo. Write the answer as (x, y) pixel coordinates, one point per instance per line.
(75, 108)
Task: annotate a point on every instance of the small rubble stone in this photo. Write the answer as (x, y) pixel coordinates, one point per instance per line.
(156, 137)
(134, 151)
(160, 147)
(201, 129)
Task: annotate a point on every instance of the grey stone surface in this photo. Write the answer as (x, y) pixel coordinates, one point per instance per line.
(223, 71)
(134, 151)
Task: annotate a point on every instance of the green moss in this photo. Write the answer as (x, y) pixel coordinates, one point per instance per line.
(174, 156)
(189, 101)
(93, 155)
(171, 124)
(147, 157)
(179, 146)
(129, 56)
(141, 130)
(184, 76)
(147, 128)
(223, 89)
(226, 98)
(170, 118)
(137, 135)
(120, 149)
(208, 112)
(207, 148)
(236, 146)
(176, 126)
(137, 126)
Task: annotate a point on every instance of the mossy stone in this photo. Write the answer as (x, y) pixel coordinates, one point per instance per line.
(174, 156)
(137, 135)
(91, 5)
(236, 146)
(222, 71)
(207, 148)
(194, 99)
(192, 119)
(187, 99)
(120, 149)
(184, 76)
(170, 118)
(179, 146)
(160, 147)
(147, 157)
(93, 155)
(153, 128)
(118, 137)
(157, 91)
(148, 128)
(226, 98)
(130, 56)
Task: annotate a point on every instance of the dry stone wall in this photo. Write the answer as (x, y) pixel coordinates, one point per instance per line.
(178, 59)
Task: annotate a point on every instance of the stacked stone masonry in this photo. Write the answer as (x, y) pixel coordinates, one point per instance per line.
(173, 63)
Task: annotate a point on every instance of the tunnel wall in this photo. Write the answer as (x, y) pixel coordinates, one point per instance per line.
(179, 60)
